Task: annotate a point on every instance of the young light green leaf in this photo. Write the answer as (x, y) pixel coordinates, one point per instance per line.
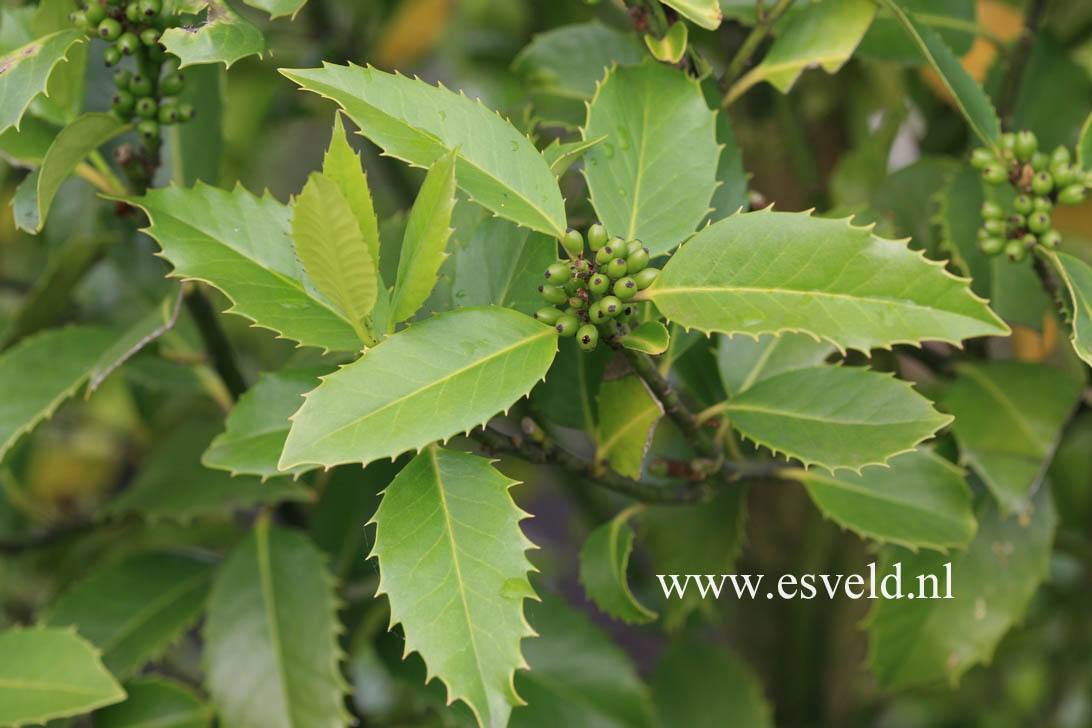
(501, 264)
(342, 165)
(561, 156)
(25, 71)
(427, 231)
(968, 95)
(603, 563)
(449, 515)
(651, 337)
(222, 36)
(255, 430)
(44, 370)
(497, 166)
(743, 361)
(326, 236)
(578, 676)
(1008, 418)
(704, 13)
(627, 414)
(922, 500)
(156, 703)
(653, 177)
(837, 417)
(1078, 281)
(50, 673)
(242, 245)
(672, 47)
(921, 641)
(697, 684)
(277, 8)
(133, 609)
(1084, 144)
(271, 653)
(467, 366)
(769, 272)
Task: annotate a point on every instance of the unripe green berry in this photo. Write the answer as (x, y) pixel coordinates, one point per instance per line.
(571, 286)
(140, 86)
(587, 337)
(128, 43)
(993, 211)
(646, 278)
(122, 78)
(168, 114)
(637, 261)
(150, 8)
(109, 29)
(146, 107)
(173, 83)
(994, 227)
(79, 19)
(625, 288)
(598, 284)
(981, 157)
(1008, 140)
(1026, 145)
(1050, 239)
(111, 57)
(1042, 204)
(157, 53)
(553, 294)
(567, 324)
(597, 236)
(548, 315)
(994, 173)
(132, 12)
(616, 268)
(576, 303)
(595, 315)
(572, 240)
(629, 310)
(558, 273)
(610, 306)
(1039, 161)
(1072, 195)
(991, 246)
(605, 254)
(123, 103)
(148, 130)
(94, 12)
(1042, 183)
(149, 36)
(1066, 174)
(1039, 222)
(1016, 221)
(981, 234)
(632, 247)
(1022, 204)
(1060, 155)
(1016, 250)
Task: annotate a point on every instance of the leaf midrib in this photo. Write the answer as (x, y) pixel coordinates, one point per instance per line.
(798, 415)
(47, 686)
(265, 582)
(142, 616)
(831, 482)
(1008, 405)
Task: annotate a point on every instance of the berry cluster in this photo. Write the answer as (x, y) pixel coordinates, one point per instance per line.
(1041, 180)
(591, 294)
(148, 96)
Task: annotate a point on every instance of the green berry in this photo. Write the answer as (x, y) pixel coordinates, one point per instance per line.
(173, 83)
(1042, 183)
(157, 53)
(605, 254)
(148, 130)
(110, 29)
(610, 306)
(128, 43)
(132, 12)
(558, 273)
(981, 234)
(595, 315)
(1008, 141)
(616, 268)
(122, 78)
(981, 157)
(570, 286)
(1016, 250)
(548, 315)
(123, 103)
(79, 19)
(141, 86)
(992, 211)
(572, 240)
(111, 57)
(1039, 161)
(587, 337)
(1072, 195)
(597, 236)
(1060, 155)
(147, 108)
(150, 8)
(95, 13)
(576, 303)
(552, 294)
(646, 278)
(1026, 144)
(994, 227)
(625, 288)
(991, 246)
(1022, 204)
(168, 114)
(1066, 174)
(1039, 222)
(994, 173)
(567, 324)
(629, 310)
(633, 246)
(598, 284)
(149, 36)
(1016, 221)
(1042, 204)
(1050, 239)
(637, 261)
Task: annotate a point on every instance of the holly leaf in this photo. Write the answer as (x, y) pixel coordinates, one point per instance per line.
(449, 515)
(467, 365)
(50, 673)
(561, 156)
(837, 417)
(25, 71)
(570, 393)
(703, 13)
(133, 609)
(770, 272)
(1008, 418)
(672, 46)
(496, 166)
(277, 8)
(731, 194)
(427, 231)
(656, 197)
(697, 683)
(1078, 281)
(603, 563)
(651, 337)
(921, 641)
(1084, 143)
(271, 652)
(627, 414)
(27, 145)
(256, 428)
(156, 702)
(743, 361)
(342, 165)
(958, 203)
(242, 245)
(922, 500)
(220, 36)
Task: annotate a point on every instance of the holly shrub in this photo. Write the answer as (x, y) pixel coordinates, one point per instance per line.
(422, 362)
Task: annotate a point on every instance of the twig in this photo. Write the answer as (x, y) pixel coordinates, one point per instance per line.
(1019, 59)
(42, 539)
(763, 26)
(216, 341)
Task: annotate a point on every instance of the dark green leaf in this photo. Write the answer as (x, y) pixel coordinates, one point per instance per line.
(743, 361)
(221, 36)
(698, 684)
(156, 703)
(627, 414)
(603, 563)
(651, 337)
(1078, 281)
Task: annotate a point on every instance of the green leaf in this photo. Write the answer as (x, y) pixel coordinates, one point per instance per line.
(651, 337)
(448, 515)
(73, 143)
(570, 391)
(1071, 472)
(731, 193)
(921, 641)
(327, 240)
(49, 368)
(704, 13)
(257, 426)
(222, 36)
(158, 321)
(743, 361)
(921, 500)
(968, 95)
(821, 34)
(156, 703)
(197, 147)
(174, 485)
(242, 245)
(501, 264)
(66, 87)
(1084, 143)
(1078, 281)
(27, 145)
(132, 610)
(349, 499)
(887, 41)
(837, 417)
(769, 272)
(578, 677)
(561, 156)
(496, 166)
(437, 378)
(627, 414)
(50, 673)
(25, 71)
(427, 231)
(958, 203)
(672, 47)
(342, 165)
(271, 653)
(277, 8)
(653, 177)
(603, 563)
(696, 684)
(1008, 418)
